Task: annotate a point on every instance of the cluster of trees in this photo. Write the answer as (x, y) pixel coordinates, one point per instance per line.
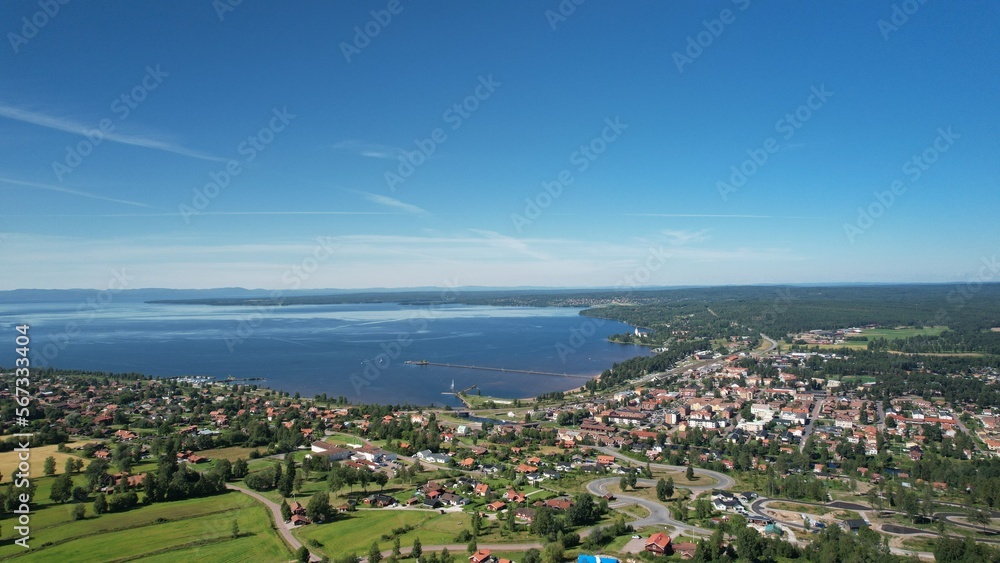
(981, 476)
(551, 524)
(834, 544)
(341, 475)
(798, 486)
(747, 545)
(665, 489)
(639, 366)
(602, 536)
(948, 341)
(955, 550)
(264, 479)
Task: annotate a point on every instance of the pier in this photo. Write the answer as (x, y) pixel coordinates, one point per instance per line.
(487, 368)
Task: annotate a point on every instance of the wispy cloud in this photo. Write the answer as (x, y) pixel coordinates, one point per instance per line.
(497, 240)
(370, 150)
(393, 203)
(681, 237)
(715, 216)
(70, 126)
(71, 191)
(214, 213)
(468, 257)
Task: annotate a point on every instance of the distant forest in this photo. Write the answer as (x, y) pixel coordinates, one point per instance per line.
(968, 310)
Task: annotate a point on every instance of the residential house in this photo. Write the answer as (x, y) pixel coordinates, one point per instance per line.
(658, 543)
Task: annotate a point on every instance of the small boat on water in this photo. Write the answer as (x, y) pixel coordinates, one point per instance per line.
(416, 362)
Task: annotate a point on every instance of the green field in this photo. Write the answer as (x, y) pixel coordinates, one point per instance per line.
(888, 334)
(355, 532)
(174, 531)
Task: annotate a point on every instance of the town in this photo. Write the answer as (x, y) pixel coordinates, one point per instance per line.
(675, 464)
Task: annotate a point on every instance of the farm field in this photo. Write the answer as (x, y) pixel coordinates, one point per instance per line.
(9, 461)
(182, 530)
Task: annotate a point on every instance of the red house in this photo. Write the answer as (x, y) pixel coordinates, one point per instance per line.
(658, 543)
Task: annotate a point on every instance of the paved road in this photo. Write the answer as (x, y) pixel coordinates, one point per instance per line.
(880, 409)
(658, 513)
(279, 522)
(762, 502)
(809, 425)
(770, 348)
(723, 481)
(960, 424)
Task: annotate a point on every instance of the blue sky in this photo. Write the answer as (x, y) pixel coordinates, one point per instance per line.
(666, 101)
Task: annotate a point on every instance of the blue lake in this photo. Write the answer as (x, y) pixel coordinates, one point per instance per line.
(355, 350)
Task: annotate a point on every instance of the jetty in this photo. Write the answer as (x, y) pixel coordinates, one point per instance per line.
(489, 368)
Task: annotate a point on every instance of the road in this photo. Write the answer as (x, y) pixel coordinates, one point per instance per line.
(760, 504)
(677, 370)
(880, 409)
(283, 528)
(723, 481)
(772, 345)
(809, 425)
(960, 424)
(658, 513)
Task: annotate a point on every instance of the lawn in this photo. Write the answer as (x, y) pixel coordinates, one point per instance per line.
(232, 453)
(796, 507)
(354, 532)
(920, 544)
(179, 530)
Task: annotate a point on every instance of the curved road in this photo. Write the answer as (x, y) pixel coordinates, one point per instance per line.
(658, 513)
(758, 505)
(279, 522)
(723, 481)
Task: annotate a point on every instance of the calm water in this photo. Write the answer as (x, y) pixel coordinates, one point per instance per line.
(352, 350)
